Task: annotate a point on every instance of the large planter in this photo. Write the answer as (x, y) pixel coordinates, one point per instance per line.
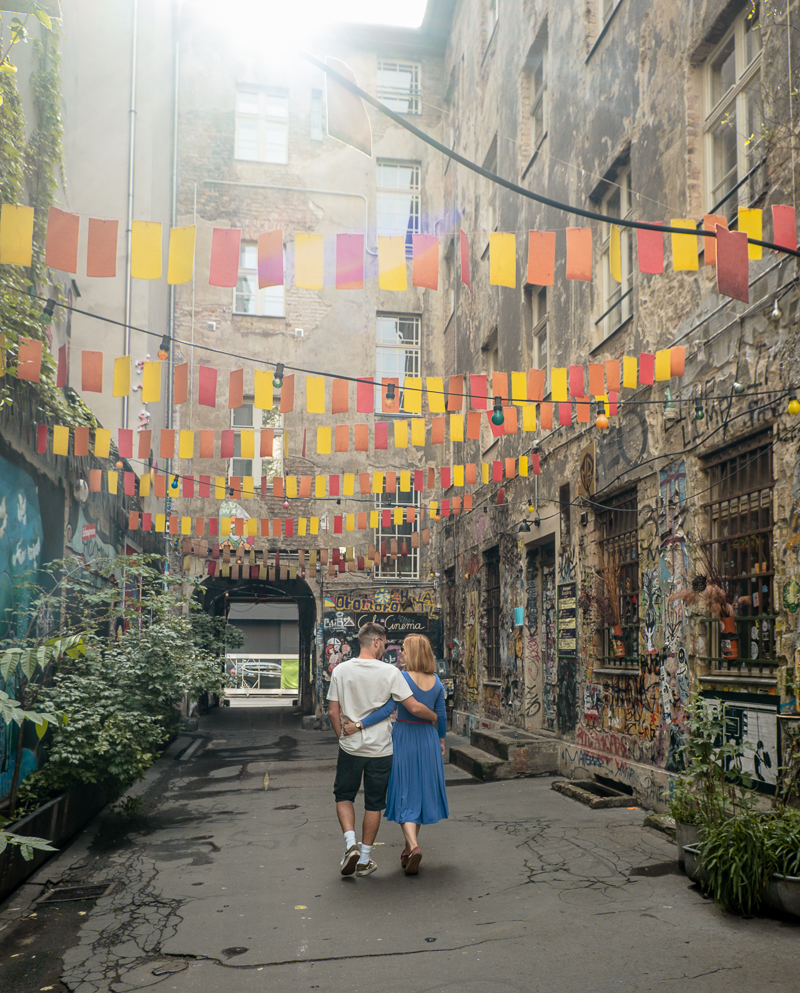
(695, 870)
(729, 641)
(783, 893)
(685, 834)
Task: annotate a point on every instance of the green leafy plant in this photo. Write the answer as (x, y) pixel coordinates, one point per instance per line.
(683, 803)
(734, 855)
(26, 843)
(782, 843)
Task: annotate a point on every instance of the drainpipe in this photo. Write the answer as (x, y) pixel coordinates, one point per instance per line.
(171, 304)
(126, 345)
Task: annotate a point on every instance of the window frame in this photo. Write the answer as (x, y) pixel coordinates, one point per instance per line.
(412, 95)
(618, 535)
(492, 611)
(541, 331)
(388, 192)
(276, 294)
(740, 185)
(269, 419)
(386, 501)
(390, 372)
(264, 119)
(616, 298)
(538, 95)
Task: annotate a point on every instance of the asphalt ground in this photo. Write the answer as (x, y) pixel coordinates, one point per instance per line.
(228, 880)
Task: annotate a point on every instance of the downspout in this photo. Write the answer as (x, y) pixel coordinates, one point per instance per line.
(171, 304)
(126, 344)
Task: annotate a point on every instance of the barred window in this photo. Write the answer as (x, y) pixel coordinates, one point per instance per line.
(619, 547)
(491, 592)
(398, 559)
(739, 523)
(399, 86)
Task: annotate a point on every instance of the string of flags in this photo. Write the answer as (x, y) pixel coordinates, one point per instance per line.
(730, 252)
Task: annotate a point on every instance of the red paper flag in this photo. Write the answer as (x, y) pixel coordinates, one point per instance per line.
(576, 381)
(565, 413)
(579, 253)
(180, 389)
(497, 471)
(204, 489)
(536, 465)
(62, 372)
(650, 247)
(270, 259)
(91, 371)
(213, 531)
(125, 443)
(612, 404)
(101, 255)
(226, 444)
(733, 267)
(41, 439)
(333, 486)
(129, 483)
(365, 396)
(647, 369)
(29, 360)
(541, 257)
(236, 389)
(498, 430)
(784, 226)
(225, 251)
(188, 487)
(418, 481)
(381, 436)
(349, 261)
(340, 396)
(466, 279)
(61, 251)
(536, 379)
(147, 522)
(81, 447)
(425, 261)
(477, 390)
(445, 475)
(207, 391)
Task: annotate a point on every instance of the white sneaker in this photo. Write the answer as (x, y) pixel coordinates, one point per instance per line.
(365, 868)
(349, 860)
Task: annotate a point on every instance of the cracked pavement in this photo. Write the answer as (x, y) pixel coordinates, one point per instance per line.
(223, 884)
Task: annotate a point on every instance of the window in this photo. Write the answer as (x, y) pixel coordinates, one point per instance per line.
(398, 559)
(399, 87)
(538, 83)
(565, 512)
(617, 296)
(491, 592)
(248, 298)
(315, 122)
(248, 417)
(619, 550)
(540, 325)
(491, 355)
(262, 126)
(734, 138)
(739, 526)
(397, 200)
(397, 338)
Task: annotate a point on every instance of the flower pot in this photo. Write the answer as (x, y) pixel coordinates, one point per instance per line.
(618, 641)
(783, 893)
(729, 641)
(695, 869)
(685, 834)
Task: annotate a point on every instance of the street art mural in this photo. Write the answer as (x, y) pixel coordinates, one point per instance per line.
(549, 680)
(386, 601)
(471, 647)
(21, 538)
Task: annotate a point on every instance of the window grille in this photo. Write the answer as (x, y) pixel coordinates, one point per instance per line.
(397, 353)
(619, 543)
(491, 593)
(399, 86)
(402, 566)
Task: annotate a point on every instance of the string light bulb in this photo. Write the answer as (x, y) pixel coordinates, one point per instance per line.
(174, 483)
(601, 421)
(699, 413)
(794, 403)
(389, 399)
(49, 307)
(777, 313)
(285, 504)
(277, 379)
(738, 388)
(163, 348)
(497, 411)
(670, 410)
(119, 463)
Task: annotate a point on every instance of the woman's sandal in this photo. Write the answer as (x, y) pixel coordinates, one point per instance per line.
(413, 861)
(404, 857)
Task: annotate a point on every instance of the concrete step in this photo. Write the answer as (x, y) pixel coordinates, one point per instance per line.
(479, 764)
(527, 755)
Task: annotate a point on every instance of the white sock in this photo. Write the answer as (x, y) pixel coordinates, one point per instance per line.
(349, 839)
(364, 857)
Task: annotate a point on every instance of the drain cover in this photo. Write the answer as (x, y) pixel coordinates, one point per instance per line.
(60, 894)
(657, 869)
(288, 806)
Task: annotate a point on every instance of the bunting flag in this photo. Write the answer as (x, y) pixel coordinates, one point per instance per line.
(29, 359)
(684, 246)
(91, 372)
(236, 389)
(180, 259)
(308, 261)
(751, 224)
(347, 116)
(270, 259)
(62, 372)
(224, 264)
(650, 250)
(784, 226)
(349, 261)
(315, 394)
(151, 382)
(579, 253)
(710, 222)
(61, 246)
(180, 384)
(732, 264)
(392, 263)
(146, 237)
(207, 391)
(16, 234)
(122, 376)
(101, 250)
(541, 257)
(425, 261)
(502, 259)
(466, 277)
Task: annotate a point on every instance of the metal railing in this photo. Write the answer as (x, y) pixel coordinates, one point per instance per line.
(262, 674)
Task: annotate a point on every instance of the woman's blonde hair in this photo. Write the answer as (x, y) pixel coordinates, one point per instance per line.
(418, 654)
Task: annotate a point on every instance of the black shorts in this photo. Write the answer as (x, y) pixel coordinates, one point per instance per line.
(374, 768)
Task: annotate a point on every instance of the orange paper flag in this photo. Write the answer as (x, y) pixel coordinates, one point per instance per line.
(29, 361)
(425, 265)
(180, 393)
(62, 240)
(541, 257)
(579, 253)
(101, 251)
(91, 371)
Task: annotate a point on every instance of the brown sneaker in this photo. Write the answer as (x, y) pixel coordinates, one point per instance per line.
(349, 860)
(414, 859)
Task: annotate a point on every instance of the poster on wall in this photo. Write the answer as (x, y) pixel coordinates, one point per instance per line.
(567, 620)
(752, 720)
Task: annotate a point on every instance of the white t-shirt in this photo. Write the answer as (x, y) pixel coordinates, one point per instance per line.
(361, 686)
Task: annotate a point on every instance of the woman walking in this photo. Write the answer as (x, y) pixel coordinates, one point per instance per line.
(416, 793)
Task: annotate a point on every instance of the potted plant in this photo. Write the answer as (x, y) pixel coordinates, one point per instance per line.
(601, 600)
(714, 595)
(685, 809)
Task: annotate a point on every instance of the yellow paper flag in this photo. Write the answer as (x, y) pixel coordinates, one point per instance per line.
(412, 395)
(484, 472)
(418, 432)
(401, 434)
(630, 374)
(180, 261)
(348, 484)
(186, 445)
(314, 521)
(102, 443)
(315, 394)
(458, 475)
(405, 480)
(392, 263)
(144, 485)
(60, 440)
(373, 518)
(302, 526)
(519, 388)
(398, 516)
(663, 363)
(151, 382)
(308, 261)
(350, 522)
(113, 480)
(436, 398)
(186, 525)
(146, 251)
(219, 487)
(248, 492)
(291, 487)
(684, 246)
(122, 376)
(319, 486)
(615, 254)
(262, 392)
(16, 234)
(323, 441)
(224, 526)
(247, 441)
(502, 258)
(377, 482)
(251, 525)
(558, 383)
(456, 427)
(161, 523)
(523, 465)
(751, 222)
(529, 417)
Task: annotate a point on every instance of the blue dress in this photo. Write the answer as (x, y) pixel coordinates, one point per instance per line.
(416, 792)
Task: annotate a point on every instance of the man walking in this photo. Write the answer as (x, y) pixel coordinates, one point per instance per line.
(358, 687)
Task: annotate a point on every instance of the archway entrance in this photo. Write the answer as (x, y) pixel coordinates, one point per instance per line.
(277, 619)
